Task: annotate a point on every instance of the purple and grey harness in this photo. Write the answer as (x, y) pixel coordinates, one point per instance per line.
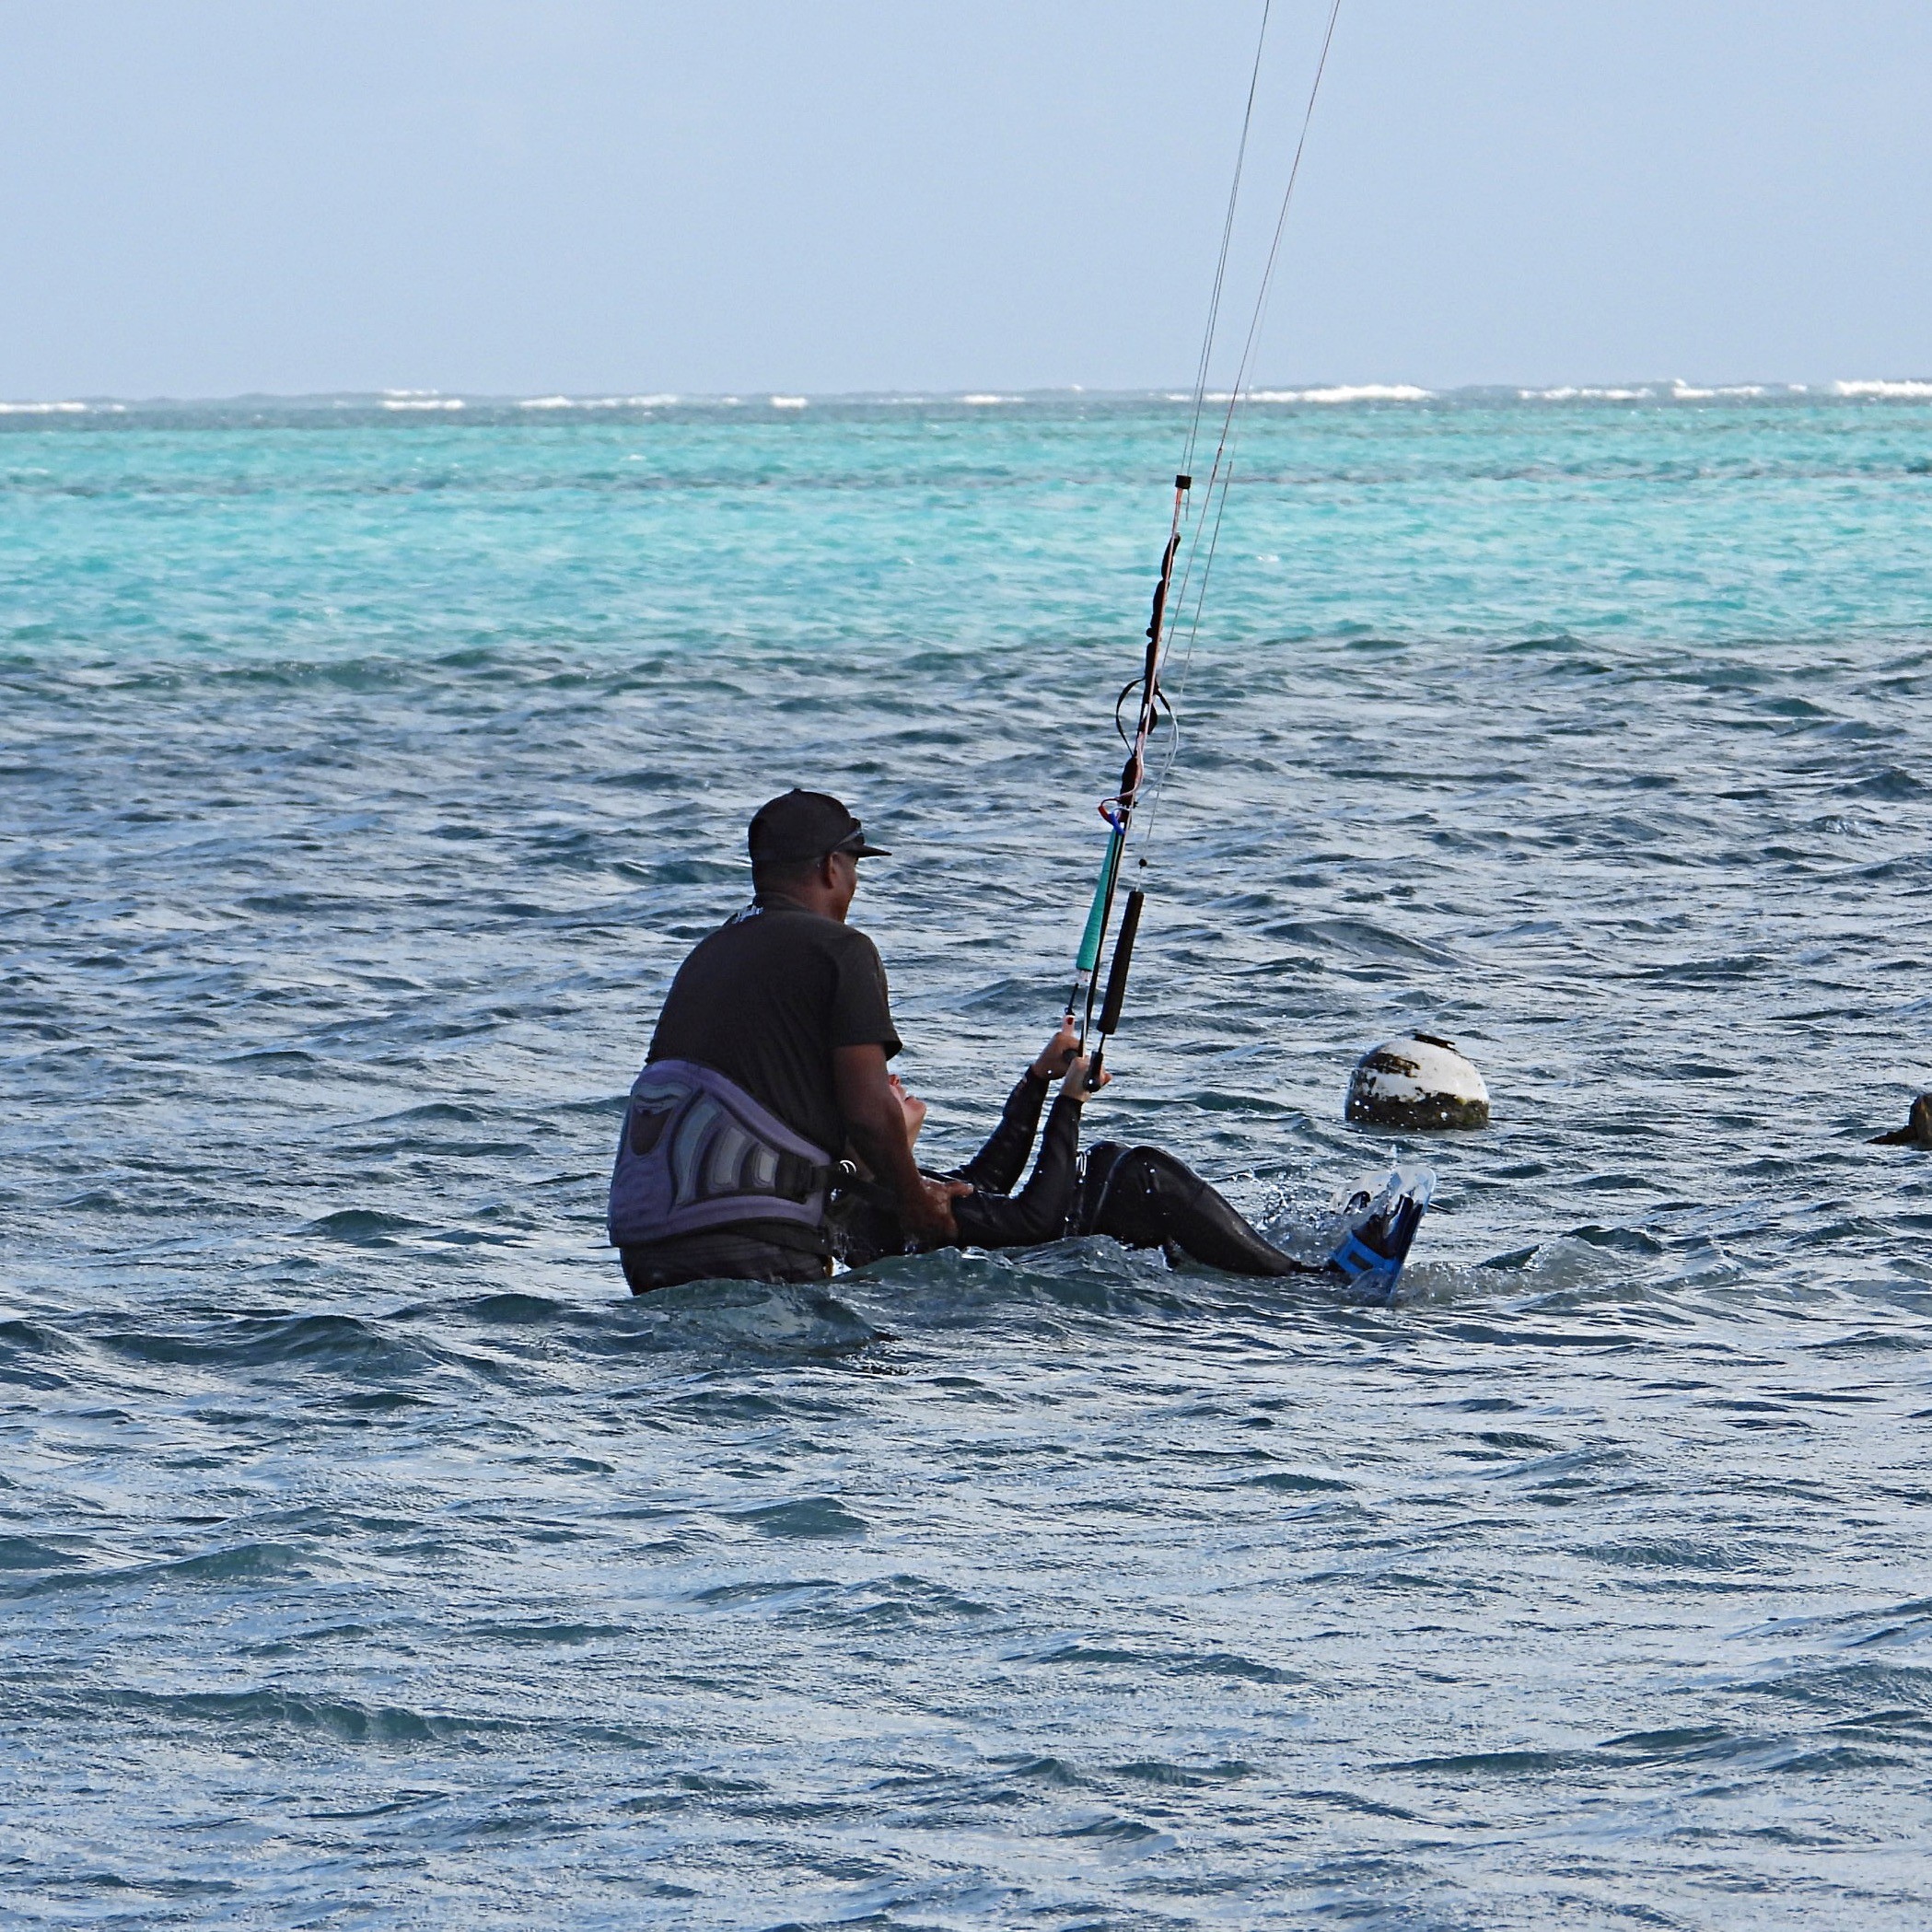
(697, 1152)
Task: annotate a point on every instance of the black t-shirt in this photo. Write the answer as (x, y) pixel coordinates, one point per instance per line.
(766, 998)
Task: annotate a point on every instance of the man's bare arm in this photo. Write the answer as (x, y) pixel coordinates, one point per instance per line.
(877, 1123)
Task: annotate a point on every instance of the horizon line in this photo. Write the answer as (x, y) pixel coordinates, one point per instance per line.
(405, 399)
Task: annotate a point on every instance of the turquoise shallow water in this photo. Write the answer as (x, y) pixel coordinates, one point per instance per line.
(369, 1560)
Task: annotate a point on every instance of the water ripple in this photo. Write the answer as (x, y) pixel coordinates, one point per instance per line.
(366, 1549)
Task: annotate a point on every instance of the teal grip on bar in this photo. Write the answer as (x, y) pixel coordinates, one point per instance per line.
(1097, 918)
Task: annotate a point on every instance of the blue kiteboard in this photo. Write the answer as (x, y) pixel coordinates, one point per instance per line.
(1375, 1227)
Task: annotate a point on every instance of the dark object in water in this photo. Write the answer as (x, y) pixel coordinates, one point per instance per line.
(1915, 1133)
(1419, 1085)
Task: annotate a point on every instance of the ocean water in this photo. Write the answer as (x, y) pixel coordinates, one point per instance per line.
(370, 1559)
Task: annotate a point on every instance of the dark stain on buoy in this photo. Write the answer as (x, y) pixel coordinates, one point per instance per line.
(1418, 1085)
(1915, 1133)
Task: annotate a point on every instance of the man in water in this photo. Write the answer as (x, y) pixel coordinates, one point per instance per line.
(768, 1062)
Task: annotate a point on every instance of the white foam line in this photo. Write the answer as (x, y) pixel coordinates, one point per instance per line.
(790, 401)
(1328, 393)
(597, 402)
(1346, 392)
(1901, 390)
(1573, 393)
(1682, 391)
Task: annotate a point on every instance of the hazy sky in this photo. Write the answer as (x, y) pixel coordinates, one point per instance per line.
(205, 197)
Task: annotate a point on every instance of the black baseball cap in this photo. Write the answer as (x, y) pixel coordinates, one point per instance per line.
(801, 826)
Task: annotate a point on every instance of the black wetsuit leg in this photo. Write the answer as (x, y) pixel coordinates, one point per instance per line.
(1145, 1198)
(717, 1256)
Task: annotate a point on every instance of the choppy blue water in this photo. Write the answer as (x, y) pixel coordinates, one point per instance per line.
(369, 1560)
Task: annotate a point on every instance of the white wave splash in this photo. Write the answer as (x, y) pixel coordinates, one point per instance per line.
(1682, 391)
(61, 409)
(1902, 390)
(987, 399)
(664, 402)
(1346, 392)
(1332, 392)
(789, 401)
(1571, 392)
(419, 399)
(1676, 391)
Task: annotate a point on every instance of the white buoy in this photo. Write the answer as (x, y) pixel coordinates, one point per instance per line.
(1417, 1085)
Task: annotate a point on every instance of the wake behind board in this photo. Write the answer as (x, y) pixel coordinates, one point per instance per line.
(1378, 1217)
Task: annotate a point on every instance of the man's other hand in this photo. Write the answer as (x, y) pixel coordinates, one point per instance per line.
(1079, 1072)
(929, 1217)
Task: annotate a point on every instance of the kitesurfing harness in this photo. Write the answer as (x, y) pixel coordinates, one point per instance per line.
(697, 1151)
